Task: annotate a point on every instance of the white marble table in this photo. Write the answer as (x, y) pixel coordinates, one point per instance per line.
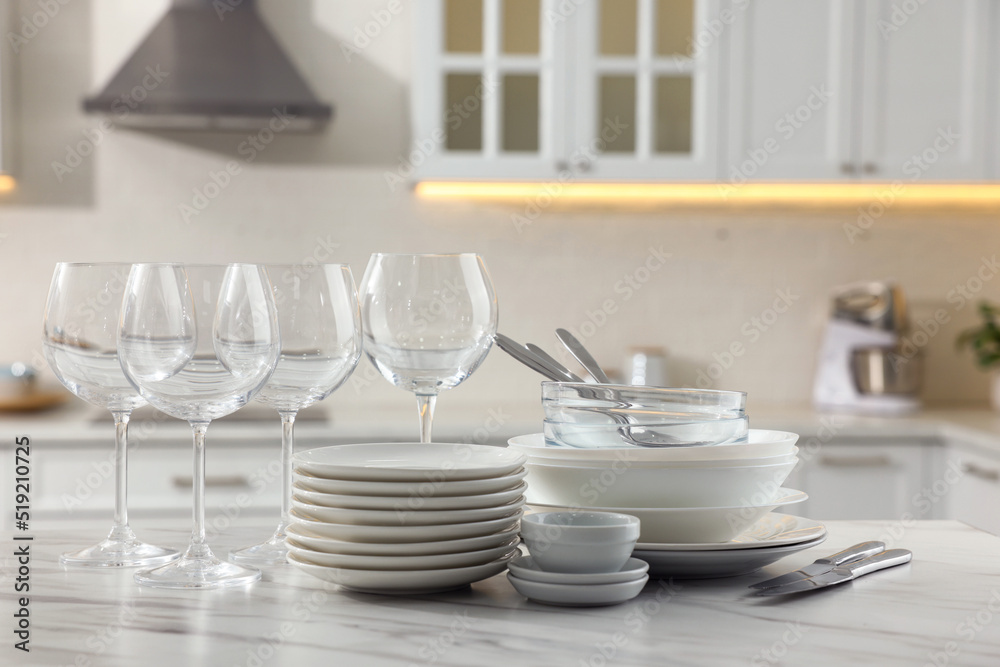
(943, 608)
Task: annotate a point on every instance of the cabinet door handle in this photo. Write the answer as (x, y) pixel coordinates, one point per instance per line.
(987, 474)
(848, 168)
(217, 481)
(856, 461)
(870, 168)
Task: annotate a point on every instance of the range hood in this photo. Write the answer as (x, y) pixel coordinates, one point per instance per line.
(210, 65)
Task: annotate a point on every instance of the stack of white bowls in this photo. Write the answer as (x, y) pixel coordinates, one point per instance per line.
(684, 461)
(405, 518)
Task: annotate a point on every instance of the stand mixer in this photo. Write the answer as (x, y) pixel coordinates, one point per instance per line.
(861, 367)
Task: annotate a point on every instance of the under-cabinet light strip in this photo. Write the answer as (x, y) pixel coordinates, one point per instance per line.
(812, 194)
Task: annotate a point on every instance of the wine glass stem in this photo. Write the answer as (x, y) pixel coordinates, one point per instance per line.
(121, 469)
(198, 486)
(287, 449)
(425, 406)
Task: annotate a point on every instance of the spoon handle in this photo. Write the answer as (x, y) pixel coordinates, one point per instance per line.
(586, 360)
(552, 361)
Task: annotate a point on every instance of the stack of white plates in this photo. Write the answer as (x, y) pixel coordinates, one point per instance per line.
(405, 518)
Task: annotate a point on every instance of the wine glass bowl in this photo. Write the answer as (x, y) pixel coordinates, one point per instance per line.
(320, 346)
(198, 342)
(79, 338)
(428, 322)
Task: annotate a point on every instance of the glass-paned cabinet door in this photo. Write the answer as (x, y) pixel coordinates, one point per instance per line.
(488, 89)
(646, 89)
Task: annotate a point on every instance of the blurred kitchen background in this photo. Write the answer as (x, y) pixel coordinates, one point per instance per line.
(714, 267)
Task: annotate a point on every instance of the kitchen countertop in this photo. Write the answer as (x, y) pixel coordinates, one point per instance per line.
(939, 609)
(79, 424)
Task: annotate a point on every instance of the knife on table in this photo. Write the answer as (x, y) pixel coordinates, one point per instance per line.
(843, 573)
(857, 552)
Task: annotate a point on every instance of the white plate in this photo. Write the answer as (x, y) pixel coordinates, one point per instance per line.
(760, 443)
(405, 517)
(413, 503)
(397, 534)
(526, 568)
(409, 462)
(693, 524)
(435, 562)
(773, 530)
(331, 546)
(711, 564)
(402, 582)
(569, 595)
(423, 489)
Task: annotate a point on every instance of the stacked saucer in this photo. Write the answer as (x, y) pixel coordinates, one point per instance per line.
(405, 518)
(579, 559)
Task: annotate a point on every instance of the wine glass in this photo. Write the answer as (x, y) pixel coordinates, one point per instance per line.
(428, 322)
(320, 346)
(198, 342)
(81, 345)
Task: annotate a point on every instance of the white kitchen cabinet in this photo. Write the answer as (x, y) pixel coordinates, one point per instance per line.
(557, 90)
(925, 90)
(877, 90)
(792, 91)
(970, 482)
(865, 480)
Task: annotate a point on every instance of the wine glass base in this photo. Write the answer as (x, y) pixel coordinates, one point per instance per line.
(272, 552)
(198, 572)
(116, 553)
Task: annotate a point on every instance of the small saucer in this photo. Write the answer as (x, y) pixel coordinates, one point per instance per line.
(569, 595)
(526, 568)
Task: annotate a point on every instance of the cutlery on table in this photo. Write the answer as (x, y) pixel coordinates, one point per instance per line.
(843, 573)
(581, 354)
(823, 565)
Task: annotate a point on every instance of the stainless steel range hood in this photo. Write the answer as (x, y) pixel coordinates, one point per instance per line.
(211, 65)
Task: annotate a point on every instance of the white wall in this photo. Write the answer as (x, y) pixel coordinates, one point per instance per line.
(304, 192)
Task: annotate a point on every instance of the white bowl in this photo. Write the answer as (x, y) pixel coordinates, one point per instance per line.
(316, 542)
(676, 465)
(580, 541)
(692, 524)
(430, 562)
(759, 443)
(627, 485)
(406, 504)
(404, 517)
(408, 462)
(436, 488)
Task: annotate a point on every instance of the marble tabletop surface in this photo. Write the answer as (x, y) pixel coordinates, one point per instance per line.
(941, 609)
